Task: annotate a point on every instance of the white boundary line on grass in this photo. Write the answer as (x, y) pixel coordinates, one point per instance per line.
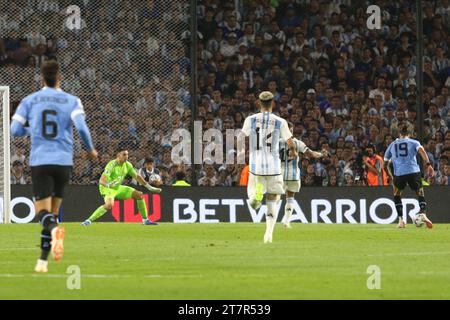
(14, 249)
(410, 254)
(96, 276)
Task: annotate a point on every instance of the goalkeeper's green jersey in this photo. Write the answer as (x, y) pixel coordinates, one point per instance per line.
(116, 172)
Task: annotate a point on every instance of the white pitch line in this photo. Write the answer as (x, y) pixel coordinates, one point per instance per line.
(95, 276)
(14, 249)
(410, 254)
(102, 276)
(174, 276)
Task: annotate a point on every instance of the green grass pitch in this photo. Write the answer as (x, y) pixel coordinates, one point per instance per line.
(229, 261)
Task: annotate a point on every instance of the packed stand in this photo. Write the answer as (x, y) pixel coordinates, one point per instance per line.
(345, 88)
(128, 64)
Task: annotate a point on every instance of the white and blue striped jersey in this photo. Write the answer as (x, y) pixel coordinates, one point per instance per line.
(50, 113)
(402, 153)
(290, 168)
(265, 131)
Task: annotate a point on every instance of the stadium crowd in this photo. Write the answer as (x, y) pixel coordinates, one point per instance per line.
(345, 88)
(128, 64)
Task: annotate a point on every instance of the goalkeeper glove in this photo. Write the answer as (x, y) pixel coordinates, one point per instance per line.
(152, 189)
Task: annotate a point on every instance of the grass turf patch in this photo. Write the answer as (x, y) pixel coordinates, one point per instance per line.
(230, 261)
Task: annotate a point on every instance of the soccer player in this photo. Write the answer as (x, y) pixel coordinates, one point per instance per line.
(111, 187)
(50, 113)
(402, 154)
(266, 130)
(291, 172)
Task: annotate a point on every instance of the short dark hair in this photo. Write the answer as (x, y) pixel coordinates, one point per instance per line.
(404, 130)
(180, 175)
(50, 72)
(149, 160)
(121, 147)
(17, 163)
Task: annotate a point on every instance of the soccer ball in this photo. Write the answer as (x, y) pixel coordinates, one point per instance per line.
(418, 220)
(155, 177)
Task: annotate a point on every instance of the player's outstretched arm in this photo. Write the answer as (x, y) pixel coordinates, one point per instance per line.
(18, 130)
(19, 120)
(388, 168)
(83, 130)
(292, 148)
(315, 154)
(241, 138)
(428, 168)
(104, 182)
(144, 183)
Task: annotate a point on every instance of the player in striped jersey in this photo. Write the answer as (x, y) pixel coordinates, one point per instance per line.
(265, 131)
(291, 172)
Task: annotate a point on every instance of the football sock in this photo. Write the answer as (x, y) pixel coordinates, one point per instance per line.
(100, 211)
(271, 217)
(47, 220)
(422, 204)
(46, 239)
(399, 206)
(142, 208)
(288, 209)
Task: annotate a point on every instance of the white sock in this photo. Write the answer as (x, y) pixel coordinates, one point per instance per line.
(41, 262)
(288, 210)
(271, 217)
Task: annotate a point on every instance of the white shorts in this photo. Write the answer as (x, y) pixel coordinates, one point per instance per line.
(271, 184)
(292, 186)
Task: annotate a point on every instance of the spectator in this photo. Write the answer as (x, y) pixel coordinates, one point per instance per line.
(210, 177)
(243, 180)
(17, 173)
(229, 47)
(375, 172)
(180, 180)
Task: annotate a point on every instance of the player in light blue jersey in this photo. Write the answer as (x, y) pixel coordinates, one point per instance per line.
(291, 172)
(402, 154)
(50, 113)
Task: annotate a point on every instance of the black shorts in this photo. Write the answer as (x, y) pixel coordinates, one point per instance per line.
(414, 180)
(49, 180)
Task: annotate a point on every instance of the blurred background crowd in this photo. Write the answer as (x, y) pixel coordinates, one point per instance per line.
(129, 64)
(345, 88)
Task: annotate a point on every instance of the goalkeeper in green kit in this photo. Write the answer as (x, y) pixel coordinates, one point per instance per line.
(111, 187)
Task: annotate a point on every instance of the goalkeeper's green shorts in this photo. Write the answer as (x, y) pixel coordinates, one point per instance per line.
(119, 193)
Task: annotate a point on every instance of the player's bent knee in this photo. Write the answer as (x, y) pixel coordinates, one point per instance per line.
(109, 205)
(138, 195)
